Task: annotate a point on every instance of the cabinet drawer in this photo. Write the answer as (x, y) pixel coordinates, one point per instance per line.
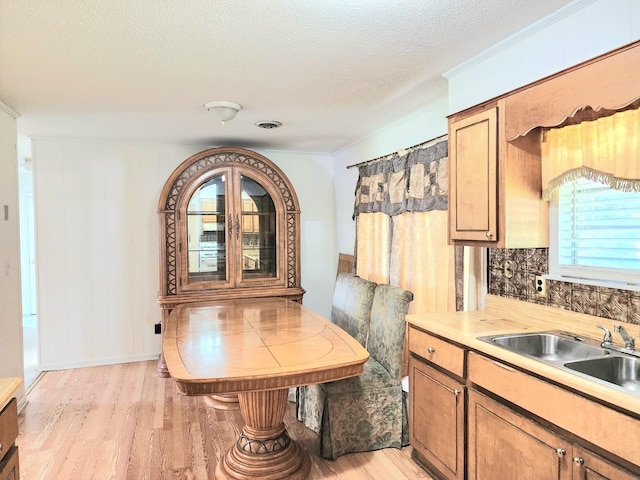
(570, 411)
(8, 426)
(9, 469)
(437, 351)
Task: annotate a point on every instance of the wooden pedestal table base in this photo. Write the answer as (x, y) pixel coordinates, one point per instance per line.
(264, 450)
(222, 401)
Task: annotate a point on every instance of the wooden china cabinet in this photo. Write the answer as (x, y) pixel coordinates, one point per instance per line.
(229, 228)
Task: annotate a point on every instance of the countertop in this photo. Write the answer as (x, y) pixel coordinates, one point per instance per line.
(503, 315)
(9, 387)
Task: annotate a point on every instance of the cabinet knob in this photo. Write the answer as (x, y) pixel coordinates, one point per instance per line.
(578, 460)
(431, 349)
(561, 452)
(489, 234)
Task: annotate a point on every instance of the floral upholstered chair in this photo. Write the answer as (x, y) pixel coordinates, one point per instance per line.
(351, 306)
(368, 412)
(351, 311)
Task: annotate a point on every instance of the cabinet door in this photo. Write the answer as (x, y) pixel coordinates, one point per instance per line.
(9, 468)
(589, 466)
(504, 444)
(233, 231)
(473, 162)
(205, 223)
(258, 233)
(437, 419)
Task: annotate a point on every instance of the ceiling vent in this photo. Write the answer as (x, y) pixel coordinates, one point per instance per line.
(269, 125)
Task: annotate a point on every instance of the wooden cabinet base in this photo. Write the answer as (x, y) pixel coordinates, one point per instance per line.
(264, 450)
(222, 401)
(9, 469)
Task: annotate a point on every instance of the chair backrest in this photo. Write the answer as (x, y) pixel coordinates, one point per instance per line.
(345, 263)
(387, 327)
(351, 306)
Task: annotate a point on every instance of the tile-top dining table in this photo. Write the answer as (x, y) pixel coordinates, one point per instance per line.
(258, 348)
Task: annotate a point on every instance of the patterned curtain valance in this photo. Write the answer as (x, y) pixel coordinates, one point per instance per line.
(416, 181)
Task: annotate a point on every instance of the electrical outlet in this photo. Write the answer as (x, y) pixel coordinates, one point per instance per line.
(541, 286)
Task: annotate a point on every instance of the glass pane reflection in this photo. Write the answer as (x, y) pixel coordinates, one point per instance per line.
(258, 223)
(206, 217)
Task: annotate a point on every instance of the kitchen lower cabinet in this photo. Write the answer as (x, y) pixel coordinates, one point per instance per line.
(9, 468)
(506, 445)
(437, 418)
(589, 466)
(473, 416)
(437, 404)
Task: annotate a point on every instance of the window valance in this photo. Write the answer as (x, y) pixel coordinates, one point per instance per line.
(606, 150)
(416, 181)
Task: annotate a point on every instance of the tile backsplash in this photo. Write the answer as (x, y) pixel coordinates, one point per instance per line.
(612, 303)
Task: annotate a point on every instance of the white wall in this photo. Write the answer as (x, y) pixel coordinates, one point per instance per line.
(426, 124)
(312, 179)
(98, 244)
(582, 30)
(10, 301)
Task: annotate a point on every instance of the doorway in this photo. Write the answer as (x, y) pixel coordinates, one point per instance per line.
(28, 264)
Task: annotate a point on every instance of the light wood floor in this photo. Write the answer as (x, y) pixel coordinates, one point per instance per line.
(124, 422)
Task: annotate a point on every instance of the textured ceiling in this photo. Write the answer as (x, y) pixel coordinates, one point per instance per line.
(331, 71)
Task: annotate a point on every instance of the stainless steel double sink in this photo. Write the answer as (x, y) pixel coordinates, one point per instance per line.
(583, 357)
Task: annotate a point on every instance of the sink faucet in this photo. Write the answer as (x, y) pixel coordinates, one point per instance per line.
(629, 342)
(608, 339)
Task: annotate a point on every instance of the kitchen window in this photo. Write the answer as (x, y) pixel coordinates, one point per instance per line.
(591, 175)
(595, 233)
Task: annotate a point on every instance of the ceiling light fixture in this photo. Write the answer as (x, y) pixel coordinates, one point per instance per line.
(223, 111)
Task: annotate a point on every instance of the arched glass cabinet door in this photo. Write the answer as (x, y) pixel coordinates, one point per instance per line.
(231, 232)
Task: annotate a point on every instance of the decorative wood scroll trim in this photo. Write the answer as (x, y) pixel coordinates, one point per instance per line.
(215, 157)
(584, 114)
(600, 87)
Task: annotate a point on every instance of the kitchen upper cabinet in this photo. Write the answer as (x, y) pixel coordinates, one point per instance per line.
(495, 194)
(229, 228)
(504, 444)
(473, 165)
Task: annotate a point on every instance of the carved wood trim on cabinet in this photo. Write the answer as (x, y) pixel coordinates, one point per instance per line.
(607, 82)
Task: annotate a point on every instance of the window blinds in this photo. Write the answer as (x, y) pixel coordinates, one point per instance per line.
(598, 228)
